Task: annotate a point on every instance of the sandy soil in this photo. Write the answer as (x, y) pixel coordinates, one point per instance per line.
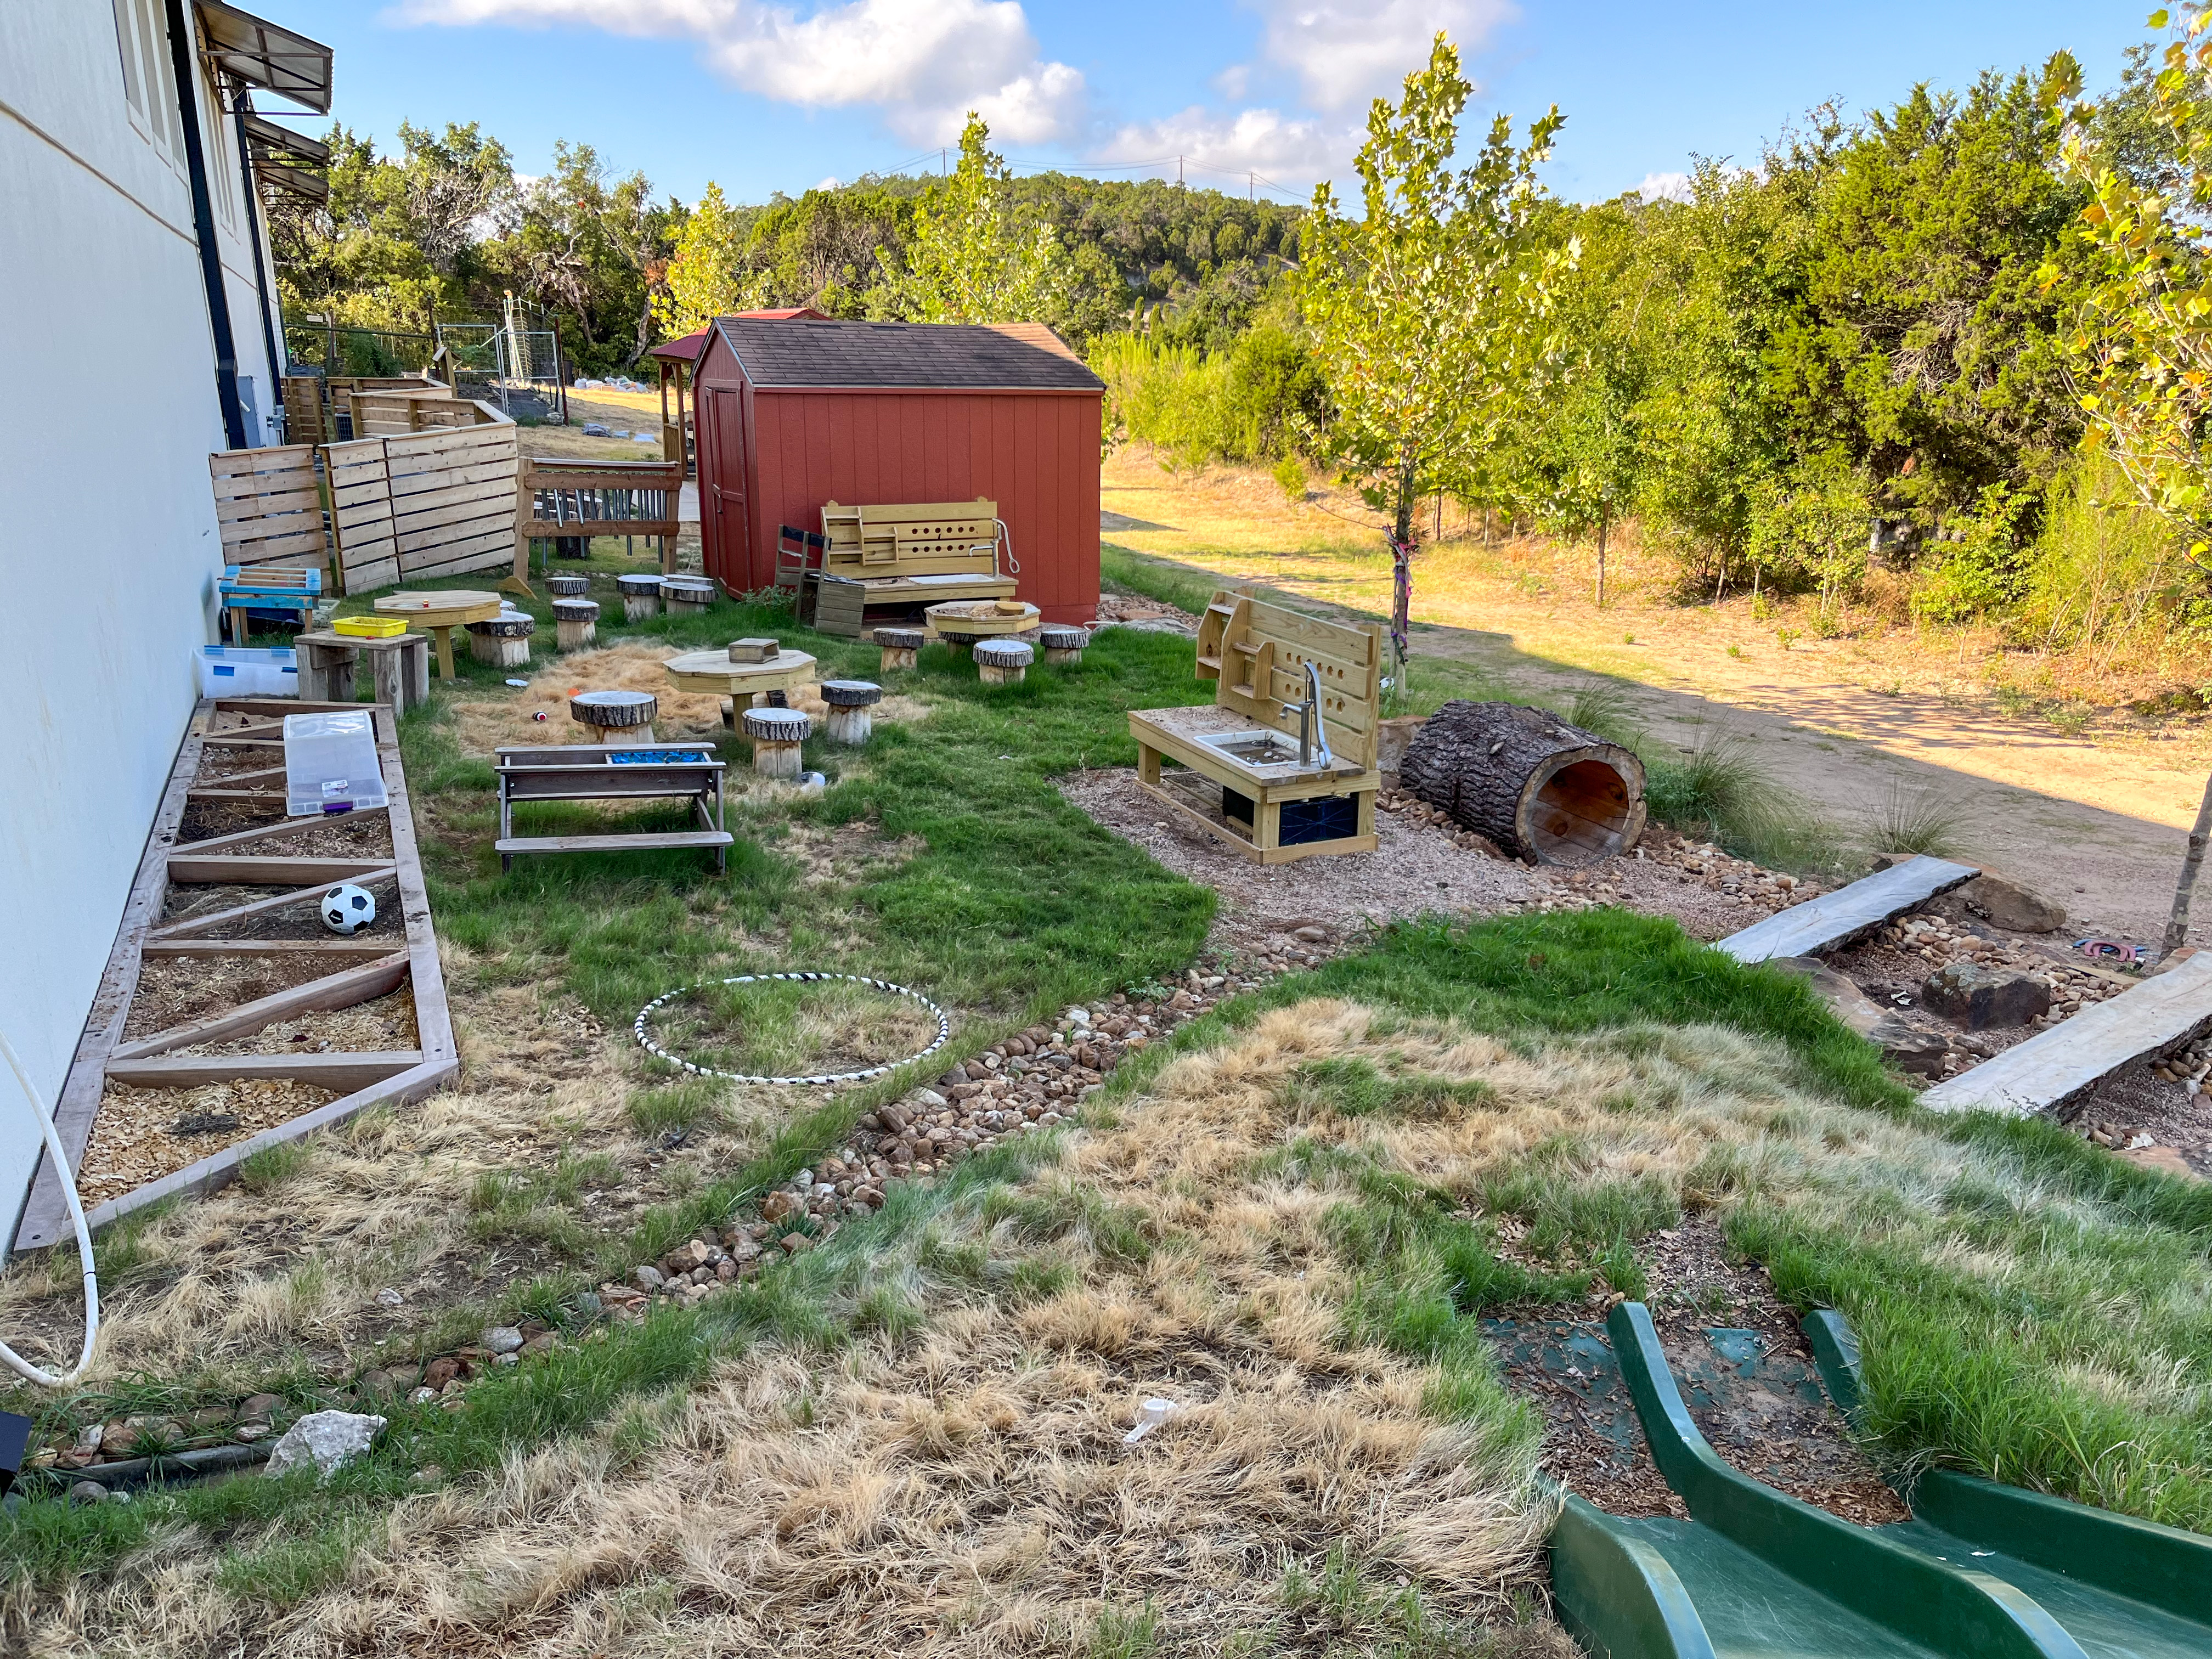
(2096, 821)
(622, 411)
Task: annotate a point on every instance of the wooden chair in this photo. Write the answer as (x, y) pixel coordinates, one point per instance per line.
(798, 553)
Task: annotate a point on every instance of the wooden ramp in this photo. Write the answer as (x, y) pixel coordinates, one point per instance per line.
(1818, 926)
(2054, 1065)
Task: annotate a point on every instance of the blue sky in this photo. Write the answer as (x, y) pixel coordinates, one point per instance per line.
(761, 96)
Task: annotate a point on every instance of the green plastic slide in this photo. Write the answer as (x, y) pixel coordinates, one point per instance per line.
(1982, 1569)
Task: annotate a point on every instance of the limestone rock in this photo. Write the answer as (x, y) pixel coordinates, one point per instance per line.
(1978, 997)
(2009, 905)
(328, 1440)
(1901, 1045)
(502, 1339)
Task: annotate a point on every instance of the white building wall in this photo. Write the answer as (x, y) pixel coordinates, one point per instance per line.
(108, 549)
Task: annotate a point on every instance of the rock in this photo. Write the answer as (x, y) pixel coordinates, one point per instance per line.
(2164, 1159)
(930, 1101)
(778, 1204)
(1978, 997)
(958, 1074)
(87, 1491)
(261, 1406)
(439, 1373)
(390, 1298)
(327, 1440)
(1311, 935)
(1904, 1047)
(794, 1243)
(648, 1278)
(2009, 905)
(502, 1339)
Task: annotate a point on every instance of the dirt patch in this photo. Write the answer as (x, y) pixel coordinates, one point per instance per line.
(1417, 869)
(175, 990)
(298, 920)
(1145, 614)
(1593, 1444)
(343, 835)
(143, 1134)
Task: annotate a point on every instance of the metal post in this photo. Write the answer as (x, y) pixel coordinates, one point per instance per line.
(186, 67)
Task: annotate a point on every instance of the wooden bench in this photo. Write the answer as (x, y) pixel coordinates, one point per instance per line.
(1275, 812)
(909, 554)
(594, 772)
(401, 663)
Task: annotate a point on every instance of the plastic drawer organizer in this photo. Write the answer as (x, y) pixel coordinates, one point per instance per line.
(331, 764)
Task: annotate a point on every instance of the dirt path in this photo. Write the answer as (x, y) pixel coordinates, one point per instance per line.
(2096, 820)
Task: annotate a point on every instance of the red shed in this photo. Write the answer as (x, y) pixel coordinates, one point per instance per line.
(795, 414)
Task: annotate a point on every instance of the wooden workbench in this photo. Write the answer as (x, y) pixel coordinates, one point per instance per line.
(438, 612)
(580, 771)
(1257, 653)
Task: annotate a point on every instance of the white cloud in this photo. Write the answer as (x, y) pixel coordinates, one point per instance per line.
(1289, 149)
(1343, 52)
(923, 62)
(1665, 187)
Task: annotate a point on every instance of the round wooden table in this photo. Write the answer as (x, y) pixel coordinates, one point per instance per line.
(712, 670)
(438, 612)
(979, 618)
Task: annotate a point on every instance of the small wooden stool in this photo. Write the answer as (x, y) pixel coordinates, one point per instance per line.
(777, 735)
(686, 596)
(616, 716)
(849, 702)
(504, 642)
(1003, 662)
(568, 586)
(401, 663)
(641, 596)
(902, 648)
(575, 622)
(1063, 646)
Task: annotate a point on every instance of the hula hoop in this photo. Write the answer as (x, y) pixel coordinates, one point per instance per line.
(944, 1029)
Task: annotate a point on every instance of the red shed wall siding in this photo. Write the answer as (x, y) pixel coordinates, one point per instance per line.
(1034, 454)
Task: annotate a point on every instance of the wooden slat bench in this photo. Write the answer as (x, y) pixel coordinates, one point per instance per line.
(1821, 925)
(585, 771)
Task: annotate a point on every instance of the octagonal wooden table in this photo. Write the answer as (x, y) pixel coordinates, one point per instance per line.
(712, 670)
(439, 611)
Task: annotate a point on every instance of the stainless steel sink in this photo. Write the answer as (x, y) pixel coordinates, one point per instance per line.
(1253, 748)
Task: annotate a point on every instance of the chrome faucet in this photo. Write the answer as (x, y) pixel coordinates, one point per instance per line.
(1312, 728)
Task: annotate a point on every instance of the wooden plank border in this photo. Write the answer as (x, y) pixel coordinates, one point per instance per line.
(44, 1221)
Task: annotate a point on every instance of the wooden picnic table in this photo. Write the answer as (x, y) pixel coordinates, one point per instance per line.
(439, 611)
(612, 771)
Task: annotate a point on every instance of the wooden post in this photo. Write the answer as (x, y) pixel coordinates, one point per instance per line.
(2176, 926)
(391, 676)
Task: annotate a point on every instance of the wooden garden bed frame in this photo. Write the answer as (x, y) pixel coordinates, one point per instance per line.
(1257, 653)
(254, 857)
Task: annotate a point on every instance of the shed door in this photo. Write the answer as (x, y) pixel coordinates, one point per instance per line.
(725, 420)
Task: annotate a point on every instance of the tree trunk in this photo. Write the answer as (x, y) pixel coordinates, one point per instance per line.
(1538, 788)
(2176, 926)
(1604, 523)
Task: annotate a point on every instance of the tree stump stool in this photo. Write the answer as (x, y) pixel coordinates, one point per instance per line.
(616, 716)
(849, 702)
(1539, 788)
(568, 587)
(960, 644)
(504, 642)
(1063, 646)
(686, 596)
(777, 735)
(902, 648)
(1003, 662)
(575, 622)
(641, 596)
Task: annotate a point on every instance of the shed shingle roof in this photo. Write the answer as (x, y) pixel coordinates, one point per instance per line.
(1012, 356)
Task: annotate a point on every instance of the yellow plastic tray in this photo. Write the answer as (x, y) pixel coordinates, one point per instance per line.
(370, 628)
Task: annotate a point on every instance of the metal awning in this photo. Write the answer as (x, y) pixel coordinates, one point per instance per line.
(282, 146)
(297, 181)
(262, 54)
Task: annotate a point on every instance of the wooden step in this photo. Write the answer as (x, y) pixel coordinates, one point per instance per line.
(1214, 663)
(1820, 925)
(614, 843)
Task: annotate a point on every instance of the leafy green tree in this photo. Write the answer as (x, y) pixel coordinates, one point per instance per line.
(974, 256)
(708, 275)
(1429, 311)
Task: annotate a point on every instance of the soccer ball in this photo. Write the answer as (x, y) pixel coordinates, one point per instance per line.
(347, 908)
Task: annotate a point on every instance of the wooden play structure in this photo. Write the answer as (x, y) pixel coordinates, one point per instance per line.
(1270, 768)
(237, 770)
(578, 499)
(892, 561)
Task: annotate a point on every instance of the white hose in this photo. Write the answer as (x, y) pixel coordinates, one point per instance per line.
(15, 1362)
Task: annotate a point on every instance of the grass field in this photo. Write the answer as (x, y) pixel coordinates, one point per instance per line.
(1291, 1219)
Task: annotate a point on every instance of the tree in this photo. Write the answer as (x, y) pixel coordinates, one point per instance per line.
(974, 256)
(2142, 339)
(709, 275)
(1430, 310)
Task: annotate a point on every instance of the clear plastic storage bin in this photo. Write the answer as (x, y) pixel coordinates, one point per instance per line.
(240, 670)
(329, 764)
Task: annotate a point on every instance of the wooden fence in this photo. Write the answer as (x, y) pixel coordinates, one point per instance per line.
(267, 507)
(431, 503)
(391, 412)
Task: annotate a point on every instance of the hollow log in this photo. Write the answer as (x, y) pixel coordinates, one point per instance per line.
(1538, 788)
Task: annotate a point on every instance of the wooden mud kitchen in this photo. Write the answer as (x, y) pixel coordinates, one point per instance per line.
(1281, 765)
